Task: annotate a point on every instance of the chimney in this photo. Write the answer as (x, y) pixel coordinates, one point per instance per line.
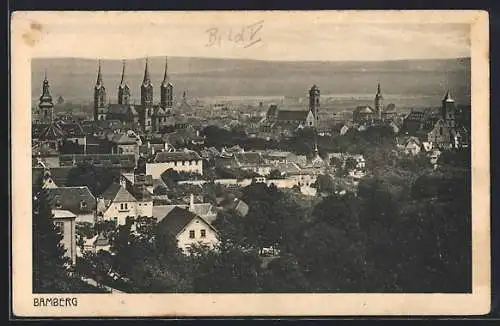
(123, 182)
(191, 203)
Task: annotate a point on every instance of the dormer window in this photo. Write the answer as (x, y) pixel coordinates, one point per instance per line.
(83, 204)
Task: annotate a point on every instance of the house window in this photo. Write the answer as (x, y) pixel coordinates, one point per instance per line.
(123, 206)
(203, 233)
(60, 227)
(83, 204)
(191, 234)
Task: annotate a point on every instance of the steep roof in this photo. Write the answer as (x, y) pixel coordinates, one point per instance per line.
(116, 193)
(78, 200)
(121, 109)
(177, 219)
(364, 109)
(295, 115)
(52, 132)
(163, 157)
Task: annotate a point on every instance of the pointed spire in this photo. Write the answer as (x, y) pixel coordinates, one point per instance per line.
(147, 78)
(45, 76)
(99, 75)
(447, 97)
(165, 76)
(184, 95)
(378, 89)
(122, 82)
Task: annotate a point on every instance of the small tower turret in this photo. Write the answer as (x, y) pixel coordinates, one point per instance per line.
(46, 105)
(379, 102)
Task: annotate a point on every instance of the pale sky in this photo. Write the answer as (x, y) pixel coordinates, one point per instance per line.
(302, 36)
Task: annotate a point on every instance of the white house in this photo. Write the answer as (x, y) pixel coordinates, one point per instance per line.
(188, 229)
(116, 204)
(65, 224)
(182, 161)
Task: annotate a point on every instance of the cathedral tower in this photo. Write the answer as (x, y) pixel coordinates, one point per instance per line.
(146, 88)
(123, 89)
(166, 91)
(448, 110)
(46, 105)
(99, 97)
(314, 94)
(147, 99)
(379, 103)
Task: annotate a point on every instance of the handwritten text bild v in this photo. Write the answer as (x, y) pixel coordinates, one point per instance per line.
(245, 36)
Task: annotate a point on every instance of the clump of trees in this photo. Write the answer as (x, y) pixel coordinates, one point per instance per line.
(51, 268)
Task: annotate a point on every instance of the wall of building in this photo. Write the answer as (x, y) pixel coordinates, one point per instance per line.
(69, 236)
(196, 225)
(156, 169)
(145, 208)
(115, 210)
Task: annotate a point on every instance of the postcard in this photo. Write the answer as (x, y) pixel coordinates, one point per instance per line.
(260, 163)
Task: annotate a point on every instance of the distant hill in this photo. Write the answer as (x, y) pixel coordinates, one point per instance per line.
(74, 78)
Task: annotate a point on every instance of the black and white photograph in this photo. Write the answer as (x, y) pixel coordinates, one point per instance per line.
(244, 154)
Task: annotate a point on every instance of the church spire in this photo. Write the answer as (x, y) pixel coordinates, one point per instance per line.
(147, 77)
(165, 76)
(379, 92)
(122, 82)
(99, 76)
(123, 89)
(447, 97)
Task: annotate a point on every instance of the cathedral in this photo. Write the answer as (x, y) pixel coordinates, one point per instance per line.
(294, 118)
(149, 116)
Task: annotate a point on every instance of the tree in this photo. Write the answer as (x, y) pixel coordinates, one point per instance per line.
(324, 183)
(96, 179)
(49, 262)
(350, 164)
(226, 269)
(50, 265)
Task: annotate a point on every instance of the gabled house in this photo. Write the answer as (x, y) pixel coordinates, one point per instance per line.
(78, 200)
(188, 229)
(116, 204)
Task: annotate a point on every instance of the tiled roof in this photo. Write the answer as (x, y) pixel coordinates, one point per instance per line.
(105, 160)
(140, 193)
(177, 219)
(71, 129)
(176, 156)
(116, 193)
(123, 138)
(114, 108)
(364, 109)
(52, 132)
(295, 115)
(78, 200)
(249, 158)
